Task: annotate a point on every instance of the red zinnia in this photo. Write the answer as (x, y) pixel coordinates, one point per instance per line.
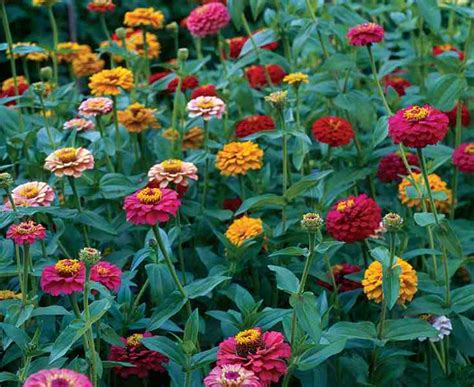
(204, 91)
(232, 204)
(353, 219)
(26, 232)
(253, 124)
(418, 126)
(101, 6)
(398, 83)
(134, 352)
(190, 82)
(438, 50)
(365, 34)
(463, 157)
(465, 116)
(235, 46)
(10, 92)
(332, 130)
(65, 277)
(343, 284)
(257, 78)
(391, 167)
(107, 274)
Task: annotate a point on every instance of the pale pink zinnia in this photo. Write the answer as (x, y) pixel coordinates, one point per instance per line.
(80, 124)
(65, 277)
(107, 274)
(56, 377)
(231, 375)
(26, 232)
(365, 34)
(264, 354)
(151, 206)
(32, 194)
(96, 106)
(69, 161)
(207, 19)
(206, 107)
(172, 172)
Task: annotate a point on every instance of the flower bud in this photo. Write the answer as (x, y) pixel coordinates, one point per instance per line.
(46, 73)
(392, 222)
(89, 256)
(6, 180)
(183, 54)
(121, 33)
(39, 88)
(172, 27)
(312, 222)
(153, 243)
(277, 99)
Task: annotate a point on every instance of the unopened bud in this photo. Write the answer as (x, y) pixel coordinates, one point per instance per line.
(183, 54)
(172, 27)
(392, 222)
(312, 222)
(89, 256)
(6, 180)
(46, 73)
(121, 33)
(39, 88)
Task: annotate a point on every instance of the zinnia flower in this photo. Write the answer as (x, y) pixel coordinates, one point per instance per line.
(332, 130)
(151, 205)
(204, 91)
(258, 79)
(373, 276)
(32, 194)
(440, 49)
(9, 295)
(65, 277)
(136, 118)
(232, 204)
(436, 184)
(392, 169)
(109, 82)
(79, 124)
(243, 229)
(26, 232)
(135, 44)
(231, 375)
(101, 6)
(343, 284)
(207, 19)
(253, 124)
(107, 274)
(172, 171)
(236, 158)
(398, 83)
(69, 162)
(206, 107)
(264, 354)
(68, 51)
(296, 79)
(56, 377)
(365, 34)
(235, 46)
(87, 64)
(441, 323)
(144, 360)
(193, 138)
(465, 116)
(97, 106)
(189, 82)
(418, 126)
(144, 17)
(463, 157)
(353, 219)
(8, 89)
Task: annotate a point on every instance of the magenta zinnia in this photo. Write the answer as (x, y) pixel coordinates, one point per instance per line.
(65, 277)
(107, 274)
(26, 232)
(231, 375)
(365, 34)
(56, 377)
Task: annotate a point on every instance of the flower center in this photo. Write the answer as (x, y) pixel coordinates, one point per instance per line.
(149, 196)
(446, 47)
(232, 375)
(60, 382)
(134, 340)
(334, 124)
(26, 228)
(172, 166)
(66, 155)
(67, 267)
(425, 317)
(469, 149)
(103, 270)
(248, 342)
(205, 104)
(29, 192)
(416, 113)
(342, 206)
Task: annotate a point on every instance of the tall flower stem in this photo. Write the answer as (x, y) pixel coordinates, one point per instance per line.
(52, 144)
(54, 54)
(100, 126)
(90, 332)
(180, 248)
(457, 142)
(118, 137)
(171, 268)
(222, 53)
(376, 79)
(174, 115)
(284, 145)
(206, 166)
(8, 36)
(77, 199)
(383, 313)
(103, 24)
(198, 46)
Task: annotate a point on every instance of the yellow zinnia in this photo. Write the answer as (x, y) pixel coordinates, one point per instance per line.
(236, 158)
(296, 78)
(144, 17)
(243, 229)
(109, 82)
(137, 118)
(86, 65)
(68, 51)
(135, 44)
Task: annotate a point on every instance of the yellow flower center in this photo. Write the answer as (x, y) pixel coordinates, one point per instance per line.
(469, 149)
(67, 267)
(149, 196)
(445, 47)
(103, 270)
(7, 295)
(172, 166)
(134, 340)
(248, 341)
(416, 113)
(425, 317)
(29, 192)
(203, 104)
(26, 228)
(66, 155)
(342, 206)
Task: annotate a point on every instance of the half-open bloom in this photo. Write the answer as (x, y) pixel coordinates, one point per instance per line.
(172, 171)
(107, 274)
(26, 232)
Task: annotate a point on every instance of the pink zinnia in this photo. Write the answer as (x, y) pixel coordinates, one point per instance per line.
(392, 169)
(206, 107)
(80, 124)
(207, 20)
(231, 375)
(172, 171)
(65, 277)
(263, 354)
(96, 106)
(134, 352)
(32, 194)
(151, 205)
(56, 377)
(418, 126)
(26, 232)
(365, 34)
(463, 157)
(107, 274)
(69, 162)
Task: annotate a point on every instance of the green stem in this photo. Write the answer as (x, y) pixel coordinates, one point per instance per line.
(284, 145)
(377, 81)
(174, 116)
(221, 50)
(438, 356)
(52, 144)
(206, 166)
(54, 54)
(26, 269)
(118, 138)
(100, 126)
(180, 248)
(103, 24)
(8, 36)
(90, 333)
(77, 199)
(198, 46)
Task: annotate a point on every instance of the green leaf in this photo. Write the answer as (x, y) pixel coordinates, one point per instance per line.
(96, 221)
(462, 299)
(270, 200)
(66, 339)
(312, 359)
(380, 132)
(307, 314)
(203, 286)
(432, 304)
(14, 334)
(448, 238)
(364, 330)
(445, 91)
(257, 6)
(289, 252)
(382, 255)
(53, 310)
(166, 347)
(286, 280)
(191, 329)
(261, 38)
(202, 358)
(8, 377)
(236, 9)
(116, 186)
(424, 219)
(431, 13)
(166, 310)
(408, 329)
(305, 184)
(391, 285)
